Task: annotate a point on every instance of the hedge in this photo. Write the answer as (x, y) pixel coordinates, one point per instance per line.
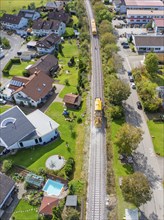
(9, 65)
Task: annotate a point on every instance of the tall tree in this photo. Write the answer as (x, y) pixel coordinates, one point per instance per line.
(151, 63)
(118, 91)
(128, 139)
(136, 189)
(105, 26)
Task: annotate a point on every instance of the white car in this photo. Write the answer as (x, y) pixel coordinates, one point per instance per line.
(133, 86)
(2, 101)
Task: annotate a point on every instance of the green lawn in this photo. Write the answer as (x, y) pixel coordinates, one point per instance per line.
(25, 211)
(17, 69)
(12, 6)
(120, 170)
(66, 90)
(3, 108)
(157, 132)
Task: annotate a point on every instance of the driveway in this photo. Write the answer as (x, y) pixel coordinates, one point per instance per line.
(15, 42)
(145, 158)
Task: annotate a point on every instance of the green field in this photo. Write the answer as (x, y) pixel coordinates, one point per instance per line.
(120, 170)
(13, 6)
(157, 132)
(17, 69)
(24, 211)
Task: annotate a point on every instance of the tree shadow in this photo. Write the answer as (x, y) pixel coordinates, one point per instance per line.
(129, 168)
(140, 164)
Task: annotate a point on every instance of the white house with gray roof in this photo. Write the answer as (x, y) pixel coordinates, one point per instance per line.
(26, 130)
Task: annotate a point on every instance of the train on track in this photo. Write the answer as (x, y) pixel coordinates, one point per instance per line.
(98, 113)
(93, 27)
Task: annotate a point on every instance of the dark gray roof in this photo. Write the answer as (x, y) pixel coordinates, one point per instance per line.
(12, 19)
(141, 40)
(46, 25)
(48, 41)
(71, 200)
(26, 13)
(14, 126)
(60, 16)
(6, 184)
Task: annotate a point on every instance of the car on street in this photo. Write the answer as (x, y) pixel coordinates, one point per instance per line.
(139, 106)
(131, 79)
(129, 73)
(126, 46)
(124, 43)
(133, 86)
(2, 101)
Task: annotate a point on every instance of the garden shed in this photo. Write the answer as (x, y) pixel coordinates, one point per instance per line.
(34, 180)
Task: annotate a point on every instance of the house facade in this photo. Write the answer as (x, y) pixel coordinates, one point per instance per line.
(34, 92)
(43, 28)
(158, 25)
(144, 44)
(48, 44)
(143, 16)
(29, 14)
(13, 22)
(26, 130)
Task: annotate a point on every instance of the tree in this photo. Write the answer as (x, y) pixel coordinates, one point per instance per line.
(118, 91)
(72, 214)
(151, 63)
(56, 213)
(105, 26)
(107, 38)
(136, 189)
(128, 139)
(5, 42)
(7, 164)
(149, 25)
(31, 6)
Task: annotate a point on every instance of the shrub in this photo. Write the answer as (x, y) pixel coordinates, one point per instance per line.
(69, 166)
(116, 112)
(7, 164)
(25, 73)
(79, 120)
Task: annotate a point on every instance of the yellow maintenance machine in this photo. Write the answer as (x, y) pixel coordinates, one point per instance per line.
(93, 27)
(98, 113)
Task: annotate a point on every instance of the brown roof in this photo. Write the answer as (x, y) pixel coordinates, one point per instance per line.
(159, 22)
(148, 40)
(46, 25)
(47, 204)
(38, 86)
(45, 64)
(48, 41)
(12, 19)
(70, 98)
(59, 15)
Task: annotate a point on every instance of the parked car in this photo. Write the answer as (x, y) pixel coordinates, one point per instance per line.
(124, 43)
(126, 46)
(139, 106)
(131, 79)
(133, 86)
(129, 73)
(2, 101)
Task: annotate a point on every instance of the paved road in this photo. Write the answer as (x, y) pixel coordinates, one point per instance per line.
(15, 42)
(145, 158)
(96, 194)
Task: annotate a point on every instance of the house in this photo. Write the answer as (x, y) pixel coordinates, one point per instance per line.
(26, 130)
(48, 44)
(143, 16)
(72, 101)
(13, 22)
(47, 64)
(29, 14)
(149, 43)
(131, 214)
(57, 5)
(43, 27)
(34, 180)
(7, 186)
(158, 24)
(47, 204)
(143, 5)
(60, 16)
(34, 92)
(71, 201)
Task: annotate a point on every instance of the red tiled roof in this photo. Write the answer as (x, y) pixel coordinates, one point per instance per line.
(70, 98)
(159, 22)
(47, 204)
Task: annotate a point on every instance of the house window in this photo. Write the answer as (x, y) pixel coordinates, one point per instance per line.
(40, 139)
(36, 141)
(21, 144)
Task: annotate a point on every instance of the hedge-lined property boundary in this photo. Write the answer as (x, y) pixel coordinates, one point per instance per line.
(9, 65)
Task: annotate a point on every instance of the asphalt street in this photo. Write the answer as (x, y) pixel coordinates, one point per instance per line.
(15, 42)
(145, 159)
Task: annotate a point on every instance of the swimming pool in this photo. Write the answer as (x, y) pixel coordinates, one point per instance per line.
(53, 187)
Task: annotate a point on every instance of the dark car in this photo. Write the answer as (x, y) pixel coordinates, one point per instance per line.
(125, 46)
(124, 43)
(139, 106)
(129, 73)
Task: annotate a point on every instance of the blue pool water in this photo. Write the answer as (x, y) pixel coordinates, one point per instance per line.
(53, 187)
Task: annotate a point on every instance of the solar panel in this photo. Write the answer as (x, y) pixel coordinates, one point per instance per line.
(16, 83)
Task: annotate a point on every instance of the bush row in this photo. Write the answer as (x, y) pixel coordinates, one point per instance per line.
(9, 65)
